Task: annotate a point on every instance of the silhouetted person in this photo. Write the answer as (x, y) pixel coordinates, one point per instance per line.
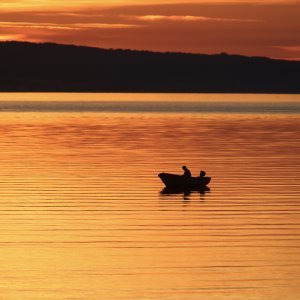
(187, 172)
(202, 174)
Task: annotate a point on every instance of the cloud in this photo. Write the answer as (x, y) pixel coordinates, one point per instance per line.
(244, 27)
(295, 48)
(34, 25)
(55, 26)
(189, 18)
(11, 37)
(67, 14)
(104, 25)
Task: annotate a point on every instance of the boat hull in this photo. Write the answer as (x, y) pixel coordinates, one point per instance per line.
(179, 181)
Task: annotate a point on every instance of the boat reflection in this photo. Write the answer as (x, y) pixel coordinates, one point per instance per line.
(186, 193)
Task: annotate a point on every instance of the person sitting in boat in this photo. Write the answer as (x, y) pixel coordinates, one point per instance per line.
(187, 172)
(202, 174)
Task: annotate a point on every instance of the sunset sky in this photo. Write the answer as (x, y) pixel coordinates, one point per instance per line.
(262, 27)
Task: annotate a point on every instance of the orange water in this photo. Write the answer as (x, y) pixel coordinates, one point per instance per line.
(83, 216)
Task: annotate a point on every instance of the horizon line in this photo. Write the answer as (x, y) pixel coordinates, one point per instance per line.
(148, 51)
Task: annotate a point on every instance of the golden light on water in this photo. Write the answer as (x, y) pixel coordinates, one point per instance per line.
(146, 97)
(83, 214)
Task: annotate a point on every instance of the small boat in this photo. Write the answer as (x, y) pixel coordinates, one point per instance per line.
(179, 181)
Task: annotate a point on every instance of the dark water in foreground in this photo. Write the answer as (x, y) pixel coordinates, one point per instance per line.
(83, 215)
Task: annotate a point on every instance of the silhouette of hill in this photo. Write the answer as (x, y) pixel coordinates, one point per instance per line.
(53, 67)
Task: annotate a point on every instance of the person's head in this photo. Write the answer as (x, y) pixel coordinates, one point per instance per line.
(184, 167)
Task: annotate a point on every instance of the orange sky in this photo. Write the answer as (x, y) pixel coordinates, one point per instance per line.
(261, 27)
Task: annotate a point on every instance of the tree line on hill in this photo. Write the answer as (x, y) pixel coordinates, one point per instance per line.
(66, 68)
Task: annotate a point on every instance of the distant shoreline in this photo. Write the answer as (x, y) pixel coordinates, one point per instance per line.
(137, 92)
(49, 68)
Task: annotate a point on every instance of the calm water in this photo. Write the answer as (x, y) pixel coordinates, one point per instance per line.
(84, 215)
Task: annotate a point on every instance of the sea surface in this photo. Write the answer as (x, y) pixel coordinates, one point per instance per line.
(83, 214)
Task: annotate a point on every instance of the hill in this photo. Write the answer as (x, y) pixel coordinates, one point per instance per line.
(54, 67)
